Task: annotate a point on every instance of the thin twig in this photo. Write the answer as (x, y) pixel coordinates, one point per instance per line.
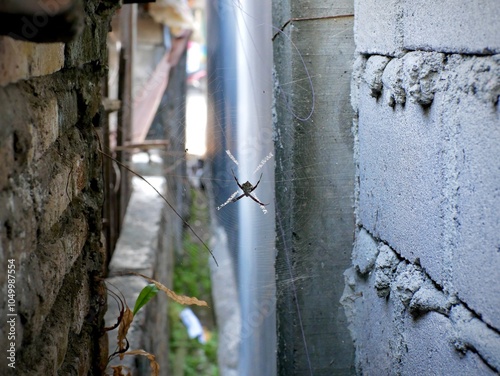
(164, 199)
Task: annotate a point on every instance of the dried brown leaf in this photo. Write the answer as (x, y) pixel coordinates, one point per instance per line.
(182, 299)
(155, 367)
(127, 318)
(117, 371)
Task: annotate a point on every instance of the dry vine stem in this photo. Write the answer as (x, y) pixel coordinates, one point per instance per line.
(124, 322)
(164, 199)
(181, 299)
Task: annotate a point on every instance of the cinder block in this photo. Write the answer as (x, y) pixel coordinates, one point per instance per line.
(378, 27)
(473, 115)
(471, 333)
(453, 26)
(21, 60)
(400, 182)
(428, 349)
(374, 325)
(428, 182)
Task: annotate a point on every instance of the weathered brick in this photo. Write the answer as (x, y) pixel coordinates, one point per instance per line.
(7, 157)
(87, 47)
(49, 218)
(45, 127)
(68, 110)
(56, 336)
(21, 60)
(16, 147)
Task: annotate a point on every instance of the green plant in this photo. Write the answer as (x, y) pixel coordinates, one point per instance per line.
(192, 277)
(188, 280)
(126, 317)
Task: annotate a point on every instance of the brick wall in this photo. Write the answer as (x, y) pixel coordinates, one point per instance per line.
(422, 295)
(51, 198)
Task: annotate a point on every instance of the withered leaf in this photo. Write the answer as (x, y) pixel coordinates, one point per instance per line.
(155, 367)
(117, 371)
(182, 299)
(127, 318)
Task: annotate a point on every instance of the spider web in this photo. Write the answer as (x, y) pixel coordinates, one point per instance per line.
(235, 197)
(245, 98)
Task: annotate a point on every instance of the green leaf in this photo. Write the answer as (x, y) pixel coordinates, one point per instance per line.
(145, 296)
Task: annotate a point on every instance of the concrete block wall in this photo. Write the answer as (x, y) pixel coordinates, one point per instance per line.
(423, 292)
(50, 202)
(393, 27)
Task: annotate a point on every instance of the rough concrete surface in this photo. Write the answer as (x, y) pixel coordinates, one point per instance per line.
(365, 252)
(402, 323)
(314, 218)
(475, 117)
(377, 27)
(427, 183)
(393, 27)
(428, 188)
(430, 349)
(452, 26)
(136, 247)
(428, 156)
(399, 180)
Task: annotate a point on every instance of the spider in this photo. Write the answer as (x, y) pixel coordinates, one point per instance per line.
(247, 189)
